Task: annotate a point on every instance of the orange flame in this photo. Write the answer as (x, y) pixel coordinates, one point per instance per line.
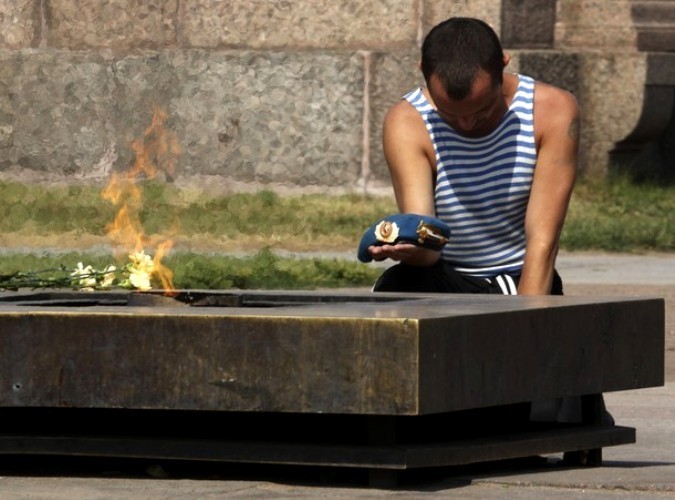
(155, 152)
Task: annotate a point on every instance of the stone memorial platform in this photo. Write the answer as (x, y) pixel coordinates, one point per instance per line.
(380, 381)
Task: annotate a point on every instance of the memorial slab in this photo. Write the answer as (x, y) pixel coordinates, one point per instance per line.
(342, 379)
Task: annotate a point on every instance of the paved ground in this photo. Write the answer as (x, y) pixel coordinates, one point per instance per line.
(642, 470)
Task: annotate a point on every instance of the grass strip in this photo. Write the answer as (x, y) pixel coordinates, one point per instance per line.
(263, 270)
(611, 215)
(620, 216)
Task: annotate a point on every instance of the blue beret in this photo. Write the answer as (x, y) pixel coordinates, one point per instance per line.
(420, 230)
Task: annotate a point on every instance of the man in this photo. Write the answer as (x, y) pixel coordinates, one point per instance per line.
(492, 154)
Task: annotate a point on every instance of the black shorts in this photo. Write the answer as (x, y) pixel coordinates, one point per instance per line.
(442, 278)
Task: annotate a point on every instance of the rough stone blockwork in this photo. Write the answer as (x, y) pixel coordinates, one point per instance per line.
(258, 92)
(276, 92)
(270, 117)
(626, 90)
(292, 24)
(114, 24)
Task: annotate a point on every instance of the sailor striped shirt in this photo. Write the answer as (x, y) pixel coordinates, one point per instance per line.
(483, 186)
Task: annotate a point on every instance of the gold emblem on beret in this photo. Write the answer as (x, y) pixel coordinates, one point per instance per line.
(386, 231)
(430, 236)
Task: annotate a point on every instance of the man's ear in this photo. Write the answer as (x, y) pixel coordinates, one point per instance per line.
(507, 59)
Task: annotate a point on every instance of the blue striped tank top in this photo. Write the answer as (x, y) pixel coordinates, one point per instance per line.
(483, 186)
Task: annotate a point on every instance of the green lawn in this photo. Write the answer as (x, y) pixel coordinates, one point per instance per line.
(615, 216)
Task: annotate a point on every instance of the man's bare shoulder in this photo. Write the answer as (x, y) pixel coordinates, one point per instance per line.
(404, 122)
(551, 99)
(556, 112)
(405, 138)
(402, 112)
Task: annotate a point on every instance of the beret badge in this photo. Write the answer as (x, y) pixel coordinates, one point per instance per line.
(386, 231)
(430, 236)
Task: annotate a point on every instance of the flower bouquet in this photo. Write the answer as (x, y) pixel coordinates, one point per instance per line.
(135, 275)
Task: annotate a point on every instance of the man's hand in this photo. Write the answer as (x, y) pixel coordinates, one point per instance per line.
(405, 252)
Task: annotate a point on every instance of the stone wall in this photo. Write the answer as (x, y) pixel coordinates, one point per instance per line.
(274, 93)
(626, 52)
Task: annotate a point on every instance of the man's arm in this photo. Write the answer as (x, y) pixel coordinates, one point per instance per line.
(408, 150)
(557, 119)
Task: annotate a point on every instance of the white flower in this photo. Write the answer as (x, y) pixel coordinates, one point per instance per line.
(140, 270)
(141, 262)
(108, 277)
(386, 231)
(85, 276)
(140, 279)
(80, 270)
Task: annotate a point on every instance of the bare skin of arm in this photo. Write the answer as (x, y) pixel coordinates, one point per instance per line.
(556, 121)
(408, 151)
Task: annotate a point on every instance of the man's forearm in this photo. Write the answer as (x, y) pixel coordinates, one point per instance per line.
(535, 283)
(537, 275)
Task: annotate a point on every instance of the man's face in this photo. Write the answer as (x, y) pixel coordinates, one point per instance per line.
(476, 115)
